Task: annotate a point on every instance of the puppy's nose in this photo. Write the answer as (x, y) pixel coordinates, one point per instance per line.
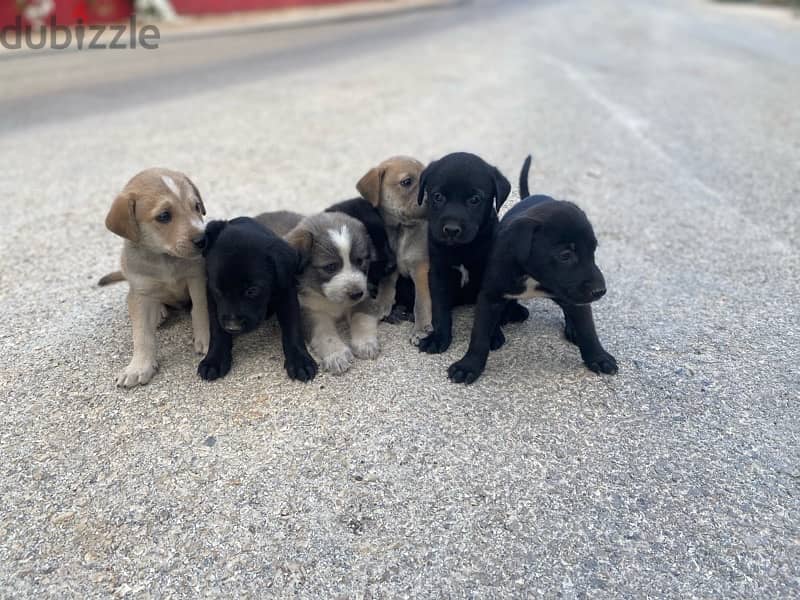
(199, 242)
(356, 295)
(451, 230)
(232, 324)
(598, 293)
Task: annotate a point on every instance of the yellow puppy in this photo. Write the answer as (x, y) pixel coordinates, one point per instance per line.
(160, 215)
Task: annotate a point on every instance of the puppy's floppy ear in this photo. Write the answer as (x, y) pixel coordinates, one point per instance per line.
(369, 186)
(213, 229)
(121, 217)
(502, 188)
(287, 264)
(302, 241)
(199, 197)
(524, 230)
(423, 181)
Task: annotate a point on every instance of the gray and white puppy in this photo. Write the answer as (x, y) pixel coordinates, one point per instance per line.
(335, 252)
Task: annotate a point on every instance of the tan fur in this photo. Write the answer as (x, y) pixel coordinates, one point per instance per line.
(161, 263)
(407, 229)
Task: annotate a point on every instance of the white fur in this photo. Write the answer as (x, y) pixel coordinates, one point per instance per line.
(531, 291)
(464, 274)
(170, 183)
(348, 279)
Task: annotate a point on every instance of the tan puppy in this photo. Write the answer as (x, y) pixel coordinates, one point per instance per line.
(160, 215)
(393, 187)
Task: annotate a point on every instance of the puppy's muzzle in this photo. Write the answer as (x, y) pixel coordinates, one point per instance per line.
(199, 242)
(451, 231)
(232, 324)
(355, 295)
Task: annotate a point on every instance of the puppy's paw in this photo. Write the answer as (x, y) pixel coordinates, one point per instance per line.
(214, 367)
(366, 348)
(435, 343)
(420, 332)
(497, 340)
(338, 362)
(201, 343)
(514, 313)
(398, 314)
(602, 362)
(137, 373)
(467, 370)
(301, 366)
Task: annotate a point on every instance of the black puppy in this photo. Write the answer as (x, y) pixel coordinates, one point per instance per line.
(544, 248)
(385, 262)
(464, 194)
(251, 273)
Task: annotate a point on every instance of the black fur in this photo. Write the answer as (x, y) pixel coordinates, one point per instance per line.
(552, 242)
(464, 194)
(251, 273)
(385, 261)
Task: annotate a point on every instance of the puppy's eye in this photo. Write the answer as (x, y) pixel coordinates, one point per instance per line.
(474, 200)
(407, 182)
(565, 255)
(330, 268)
(252, 292)
(438, 198)
(198, 208)
(164, 217)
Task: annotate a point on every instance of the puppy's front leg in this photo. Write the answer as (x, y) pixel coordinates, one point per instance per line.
(485, 328)
(422, 303)
(333, 353)
(386, 293)
(200, 327)
(364, 335)
(145, 315)
(442, 319)
(218, 360)
(297, 361)
(581, 323)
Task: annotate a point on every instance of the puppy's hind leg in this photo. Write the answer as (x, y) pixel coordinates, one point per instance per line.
(364, 335)
(333, 353)
(145, 314)
(514, 312)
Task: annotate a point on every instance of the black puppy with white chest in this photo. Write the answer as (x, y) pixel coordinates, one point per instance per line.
(464, 194)
(251, 274)
(544, 248)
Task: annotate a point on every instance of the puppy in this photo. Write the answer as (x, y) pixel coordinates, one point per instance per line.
(385, 263)
(544, 248)
(251, 273)
(393, 187)
(464, 194)
(335, 253)
(160, 215)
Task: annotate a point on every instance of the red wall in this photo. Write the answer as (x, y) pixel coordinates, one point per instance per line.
(197, 7)
(67, 12)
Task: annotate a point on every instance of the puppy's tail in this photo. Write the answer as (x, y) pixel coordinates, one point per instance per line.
(523, 178)
(114, 277)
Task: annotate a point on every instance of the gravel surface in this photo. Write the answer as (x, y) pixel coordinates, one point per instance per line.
(673, 124)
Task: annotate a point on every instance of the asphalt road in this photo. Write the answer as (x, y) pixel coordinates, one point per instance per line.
(674, 124)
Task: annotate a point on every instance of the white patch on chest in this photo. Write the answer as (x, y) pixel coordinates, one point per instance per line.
(464, 274)
(531, 291)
